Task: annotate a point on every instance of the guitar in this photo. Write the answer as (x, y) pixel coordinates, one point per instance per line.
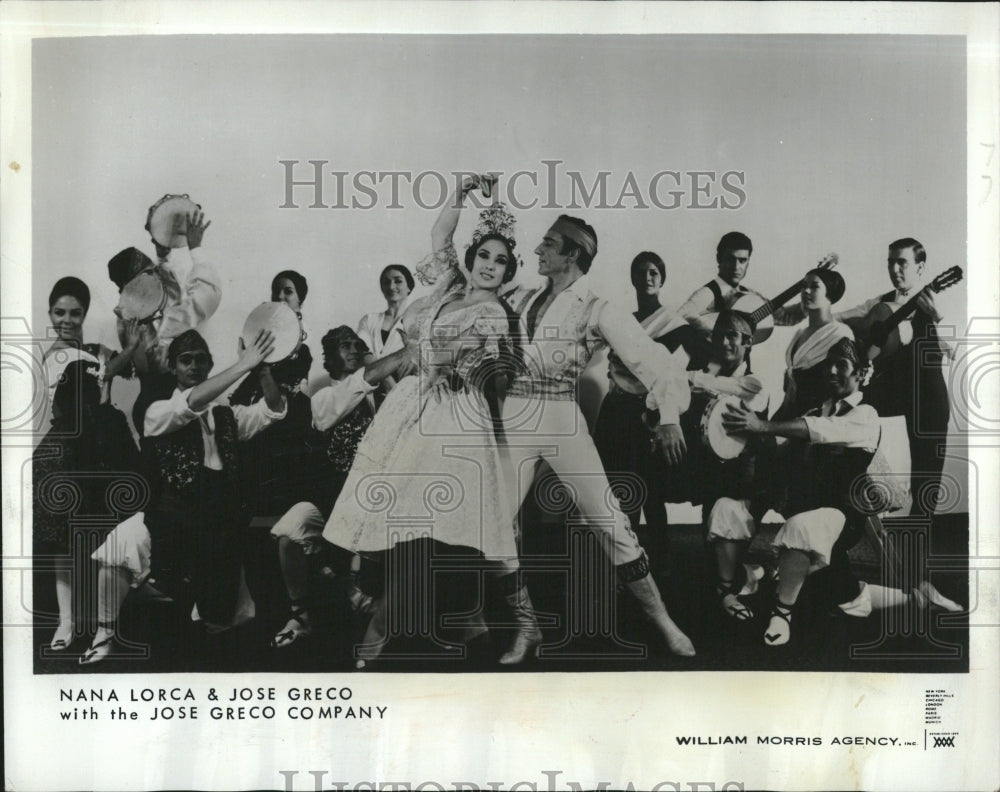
(698, 347)
(759, 310)
(881, 325)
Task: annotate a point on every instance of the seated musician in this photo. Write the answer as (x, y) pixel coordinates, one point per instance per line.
(703, 478)
(342, 412)
(833, 446)
(910, 370)
(193, 528)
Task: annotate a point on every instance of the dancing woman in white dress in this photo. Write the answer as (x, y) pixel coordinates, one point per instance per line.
(429, 465)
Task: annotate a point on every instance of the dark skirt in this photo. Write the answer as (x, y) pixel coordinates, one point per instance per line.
(635, 470)
(85, 482)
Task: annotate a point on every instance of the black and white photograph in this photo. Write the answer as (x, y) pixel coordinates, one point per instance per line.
(539, 395)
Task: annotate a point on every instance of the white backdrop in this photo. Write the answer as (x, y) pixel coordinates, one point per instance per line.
(846, 143)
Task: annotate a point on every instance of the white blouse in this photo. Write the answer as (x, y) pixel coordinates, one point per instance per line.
(169, 415)
(370, 330)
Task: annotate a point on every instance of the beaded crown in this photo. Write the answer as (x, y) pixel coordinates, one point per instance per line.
(496, 219)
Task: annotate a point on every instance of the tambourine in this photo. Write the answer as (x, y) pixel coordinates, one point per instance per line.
(284, 324)
(160, 220)
(142, 298)
(714, 435)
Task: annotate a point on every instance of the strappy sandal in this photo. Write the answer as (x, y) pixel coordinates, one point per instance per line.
(298, 626)
(97, 651)
(781, 635)
(731, 605)
(730, 602)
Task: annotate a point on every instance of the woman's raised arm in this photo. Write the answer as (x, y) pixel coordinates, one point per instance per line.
(444, 227)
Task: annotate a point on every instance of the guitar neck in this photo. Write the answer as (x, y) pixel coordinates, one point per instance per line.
(770, 306)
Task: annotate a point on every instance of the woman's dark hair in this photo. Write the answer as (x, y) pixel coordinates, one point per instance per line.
(188, 341)
(331, 344)
(77, 392)
(407, 275)
(70, 287)
(511, 269)
(647, 256)
(298, 281)
(505, 368)
(834, 282)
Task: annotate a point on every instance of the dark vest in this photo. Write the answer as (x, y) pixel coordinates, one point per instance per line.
(719, 303)
(276, 464)
(177, 457)
(822, 475)
(343, 439)
(287, 375)
(810, 389)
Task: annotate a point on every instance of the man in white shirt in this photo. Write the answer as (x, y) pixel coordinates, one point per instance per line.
(732, 255)
(193, 526)
(564, 323)
(833, 446)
